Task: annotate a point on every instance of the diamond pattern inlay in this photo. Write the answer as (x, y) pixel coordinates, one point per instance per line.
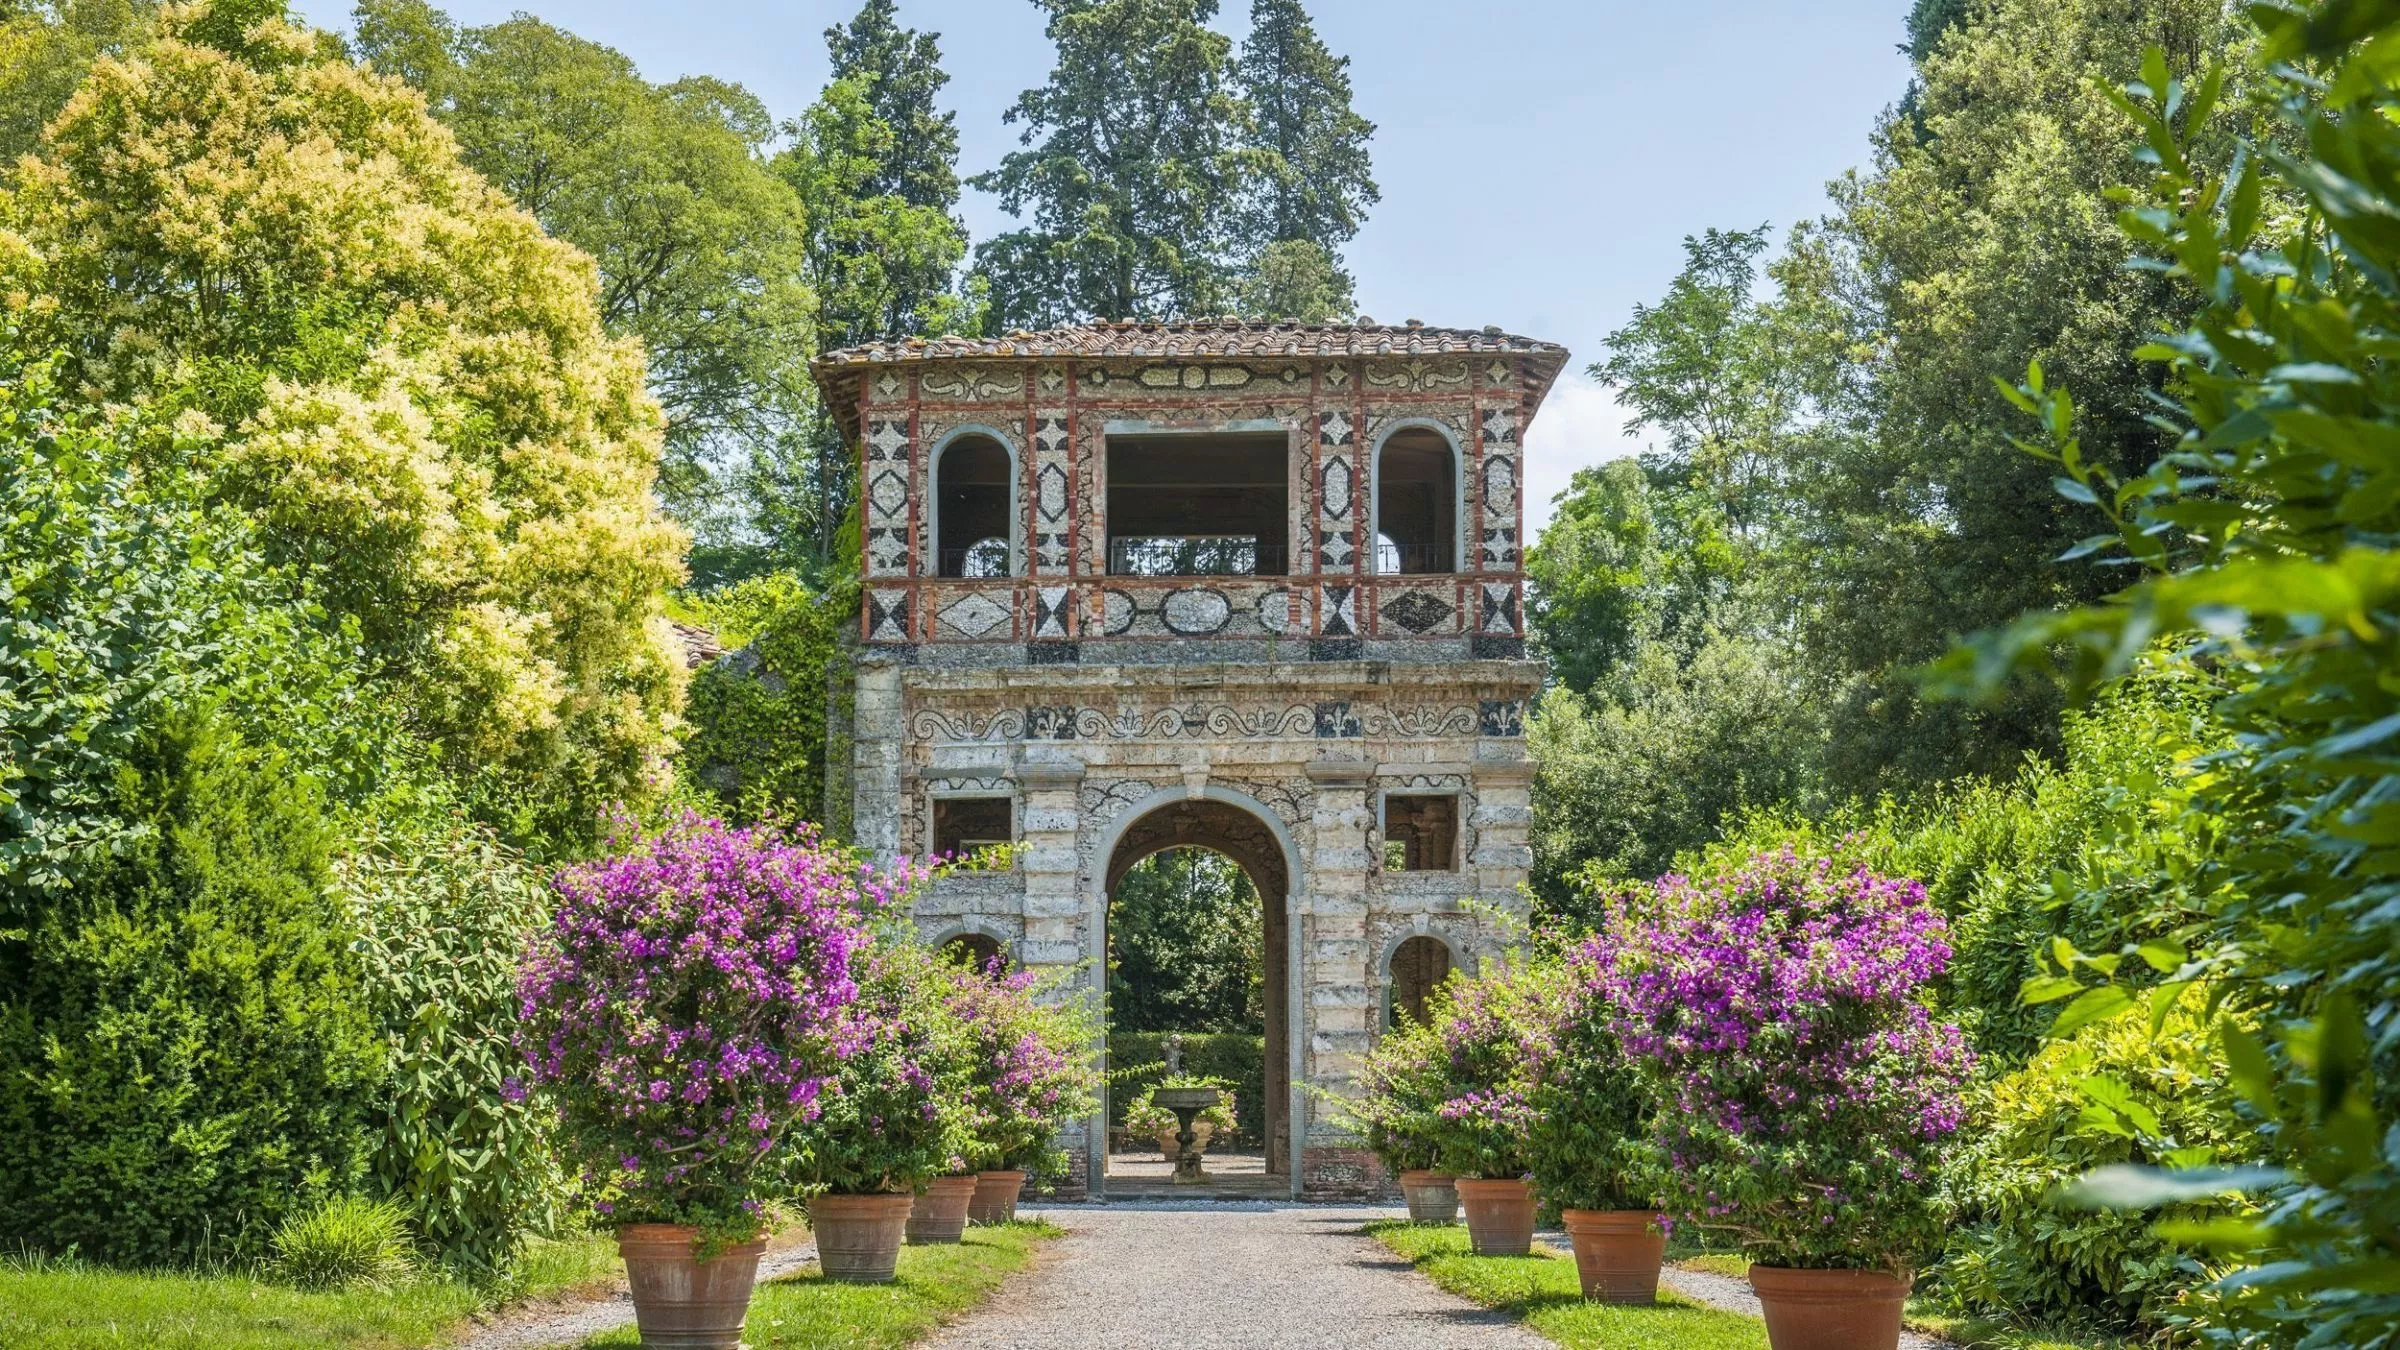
(1418, 611)
(974, 615)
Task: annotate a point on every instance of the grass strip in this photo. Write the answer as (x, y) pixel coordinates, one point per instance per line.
(804, 1310)
(71, 1305)
(1542, 1290)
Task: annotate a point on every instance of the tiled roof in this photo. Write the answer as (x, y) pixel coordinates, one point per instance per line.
(1199, 338)
(700, 646)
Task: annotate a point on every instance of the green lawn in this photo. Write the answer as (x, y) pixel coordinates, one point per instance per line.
(936, 1284)
(49, 1305)
(1542, 1290)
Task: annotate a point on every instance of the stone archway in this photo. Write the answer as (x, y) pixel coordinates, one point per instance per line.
(1254, 846)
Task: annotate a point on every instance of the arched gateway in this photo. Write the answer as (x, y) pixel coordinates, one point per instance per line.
(1246, 831)
(1193, 639)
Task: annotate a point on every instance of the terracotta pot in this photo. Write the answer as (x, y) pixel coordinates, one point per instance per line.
(1617, 1252)
(678, 1301)
(858, 1236)
(996, 1197)
(1499, 1214)
(1830, 1309)
(940, 1214)
(1432, 1196)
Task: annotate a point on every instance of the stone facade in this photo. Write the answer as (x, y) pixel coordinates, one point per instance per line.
(1267, 717)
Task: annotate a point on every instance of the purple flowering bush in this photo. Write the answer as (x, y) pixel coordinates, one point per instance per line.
(1590, 1145)
(687, 1007)
(897, 1110)
(1494, 1034)
(1031, 1048)
(1806, 1093)
(1405, 1082)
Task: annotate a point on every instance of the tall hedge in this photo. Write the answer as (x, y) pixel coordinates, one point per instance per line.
(185, 1052)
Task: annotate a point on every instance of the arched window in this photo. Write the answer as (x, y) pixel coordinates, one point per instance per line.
(1418, 967)
(1416, 503)
(976, 951)
(973, 494)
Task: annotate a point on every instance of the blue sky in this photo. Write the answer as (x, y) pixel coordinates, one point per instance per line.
(1540, 160)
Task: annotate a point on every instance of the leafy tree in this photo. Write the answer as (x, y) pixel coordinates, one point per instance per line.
(1313, 179)
(1186, 946)
(700, 246)
(899, 71)
(1661, 587)
(1982, 235)
(1298, 281)
(1659, 754)
(2265, 535)
(1132, 169)
(875, 168)
(45, 50)
(1592, 604)
(393, 372)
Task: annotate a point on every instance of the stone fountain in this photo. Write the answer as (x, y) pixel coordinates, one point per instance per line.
(1186, 1103)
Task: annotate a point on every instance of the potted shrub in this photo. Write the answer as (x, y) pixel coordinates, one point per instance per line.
(892, 1117)
(1806, 1093)
(1146, 1119)
(1491, 1042)
(683, 1013)
(1590, 1146)
(1404, 1082)
(1030, 1054)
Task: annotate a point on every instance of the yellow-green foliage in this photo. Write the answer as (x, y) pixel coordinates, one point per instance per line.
(390, 367)
(2111, 1093)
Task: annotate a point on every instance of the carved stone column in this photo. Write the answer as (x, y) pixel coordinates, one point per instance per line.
(1054, 899)
(877, 730)
(1503, 820)
(1337, 973)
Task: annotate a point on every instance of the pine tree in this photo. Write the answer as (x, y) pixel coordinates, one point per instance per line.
(900, 71)
(1132, 169)
(1314, 180)
(876, 168)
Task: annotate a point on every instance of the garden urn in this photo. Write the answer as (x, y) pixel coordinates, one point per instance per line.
(1499, 1214)
(1432, 1196)
(1830, 1309)
(1617, 1252)
(679, 1300)
(858, 1236)
(996, 1197)
(940, 1214)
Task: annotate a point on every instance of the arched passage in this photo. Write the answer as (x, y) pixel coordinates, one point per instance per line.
(1244, 834)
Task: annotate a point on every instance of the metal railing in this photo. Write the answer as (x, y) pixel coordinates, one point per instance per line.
(1198, 555)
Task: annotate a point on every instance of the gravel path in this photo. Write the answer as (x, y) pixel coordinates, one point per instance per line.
(1218, 1276)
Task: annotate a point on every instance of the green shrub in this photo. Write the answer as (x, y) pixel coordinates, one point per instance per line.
(2094, 849)
(343, 1243)
(755, 722)
(184, 1044)
(441, 913)
(1138, 1059)
(2111, 1093)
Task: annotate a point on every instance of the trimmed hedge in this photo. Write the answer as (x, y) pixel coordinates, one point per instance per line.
(1137, 1059)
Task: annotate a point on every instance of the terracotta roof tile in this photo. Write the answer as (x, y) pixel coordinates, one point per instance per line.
(1233, 338)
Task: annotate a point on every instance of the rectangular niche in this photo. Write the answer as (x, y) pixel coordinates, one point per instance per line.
(962, 825)
(1420, 833)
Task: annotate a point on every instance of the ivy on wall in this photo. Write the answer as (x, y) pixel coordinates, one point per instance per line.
(755, 738)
